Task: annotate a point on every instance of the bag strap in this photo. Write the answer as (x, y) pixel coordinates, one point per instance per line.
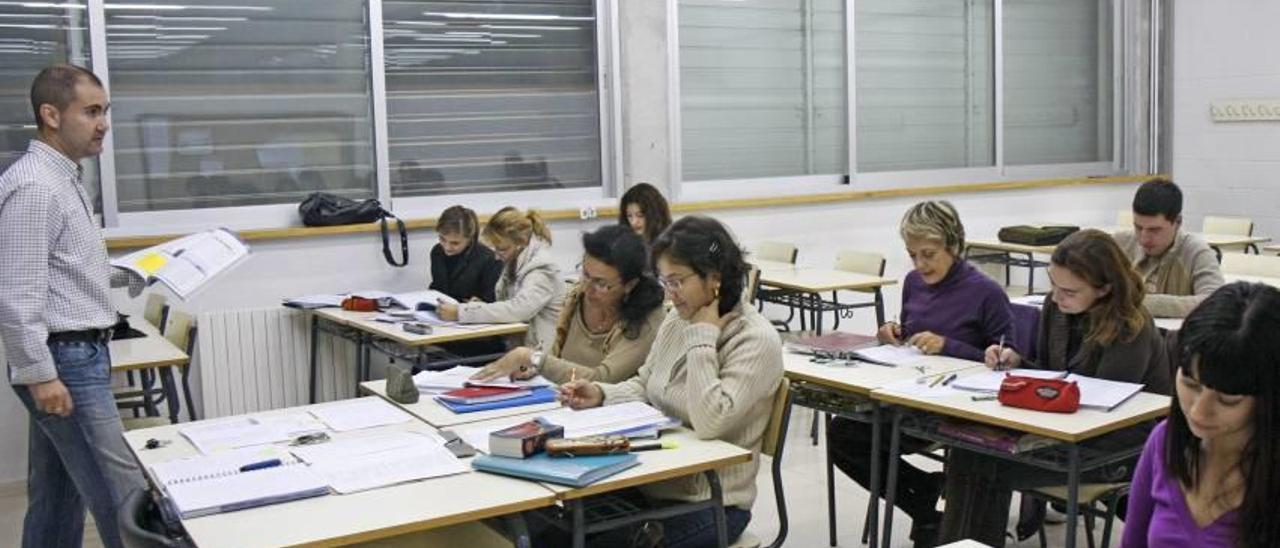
(386, 244)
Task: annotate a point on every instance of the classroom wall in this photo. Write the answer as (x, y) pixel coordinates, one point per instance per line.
(1226, 51)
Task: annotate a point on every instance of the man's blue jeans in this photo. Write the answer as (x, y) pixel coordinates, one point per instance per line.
(79, 460)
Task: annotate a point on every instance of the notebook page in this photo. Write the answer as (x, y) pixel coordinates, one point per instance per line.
(245, 489)
(890, 354)
(211, 437)
(360, 464)
(606, 419)
(192, 469)
(359, 414)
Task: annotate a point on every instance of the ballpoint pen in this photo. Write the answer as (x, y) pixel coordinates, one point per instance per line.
(1000, 355)
(936, 380)
(949, 379)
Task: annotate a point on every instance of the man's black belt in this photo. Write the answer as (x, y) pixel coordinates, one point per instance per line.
(86, 335)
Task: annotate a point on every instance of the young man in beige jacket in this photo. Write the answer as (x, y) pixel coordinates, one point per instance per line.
(1178, 268)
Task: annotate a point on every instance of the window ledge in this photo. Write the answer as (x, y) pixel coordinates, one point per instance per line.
(131, 242)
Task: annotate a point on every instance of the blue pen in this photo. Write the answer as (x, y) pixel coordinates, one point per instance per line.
(270, 463)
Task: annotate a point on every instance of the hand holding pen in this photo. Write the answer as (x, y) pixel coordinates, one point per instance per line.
(1000, 358)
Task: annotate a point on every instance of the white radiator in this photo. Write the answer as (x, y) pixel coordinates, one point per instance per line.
(258, 359)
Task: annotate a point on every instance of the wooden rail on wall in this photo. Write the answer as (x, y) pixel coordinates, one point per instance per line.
(130, 242)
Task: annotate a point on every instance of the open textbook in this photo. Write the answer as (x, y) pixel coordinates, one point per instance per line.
(187, 263)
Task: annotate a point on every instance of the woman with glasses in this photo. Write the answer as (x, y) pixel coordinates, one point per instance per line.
(530, 289)
(715, 365)
(609, 318)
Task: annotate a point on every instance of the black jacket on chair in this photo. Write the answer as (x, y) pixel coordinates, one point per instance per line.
(472, 273)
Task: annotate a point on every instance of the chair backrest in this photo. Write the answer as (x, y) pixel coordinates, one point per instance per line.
(776, 251)
(753, 283)
(153, 312)
(1239, 264)
(861, 262)
(140, 523)
(1231, 226)
(774, 433)
(1124, 218)
(178, 328)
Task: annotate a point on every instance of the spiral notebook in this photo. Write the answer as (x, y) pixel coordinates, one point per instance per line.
(200, 486)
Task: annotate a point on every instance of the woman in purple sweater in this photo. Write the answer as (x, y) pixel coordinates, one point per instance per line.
(1210, 474)
(948, 308)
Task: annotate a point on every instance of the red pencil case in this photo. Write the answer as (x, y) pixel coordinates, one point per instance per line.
(360, 304)
(1052, 395)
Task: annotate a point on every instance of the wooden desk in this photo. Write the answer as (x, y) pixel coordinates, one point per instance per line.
(335, 520)
(1272, 249)
(1217, 241)
(151, 351)
(1071, 429)
(362, 329)
(439, 416)
(857, 381)
(998, 252)
(803, 288)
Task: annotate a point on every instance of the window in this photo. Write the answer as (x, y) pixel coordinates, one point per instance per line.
(762, 88)
(925, 84)
(32, 36)
(486, 96)
(1057, 81)
(221, 104)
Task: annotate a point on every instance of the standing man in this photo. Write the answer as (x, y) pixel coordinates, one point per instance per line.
(1178, 268)
(55, 315)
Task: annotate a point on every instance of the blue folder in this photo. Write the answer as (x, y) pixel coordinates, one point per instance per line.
(571, 471)
(538, 395)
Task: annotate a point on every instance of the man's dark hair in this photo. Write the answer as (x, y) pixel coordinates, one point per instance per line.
(1158, 197)
(56, 85)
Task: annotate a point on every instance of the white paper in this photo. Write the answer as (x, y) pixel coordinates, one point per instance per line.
(187, 263)
(411, 299)
(359, 414)
(354, 465)
(211, 437)
(607, 419)
(888, 354)
(926, 389)
(220, 464)
(1095, 393)
(1029, 300)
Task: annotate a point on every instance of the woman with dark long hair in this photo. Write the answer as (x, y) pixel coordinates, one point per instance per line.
(608, 320)
(644, 210)
(461, 267)
(1093, 324)
(1210, 474)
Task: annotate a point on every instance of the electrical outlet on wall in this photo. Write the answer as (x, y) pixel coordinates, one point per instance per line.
(585, 212)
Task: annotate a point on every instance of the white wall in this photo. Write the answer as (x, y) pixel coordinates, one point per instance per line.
(1225, 50)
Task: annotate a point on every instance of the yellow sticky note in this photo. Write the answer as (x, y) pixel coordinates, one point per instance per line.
(152, 262)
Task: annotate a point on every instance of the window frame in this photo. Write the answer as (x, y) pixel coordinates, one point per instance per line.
(858, 180)
(608, 61)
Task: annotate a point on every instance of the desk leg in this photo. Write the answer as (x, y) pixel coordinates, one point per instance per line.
(891, 478)
(817, 313)
(831, 482)
(1073, 493)
(1031, 274)
(879, 308)
(873, 512)
(579, 523)
(362, 360)
(170, 387)
(147, 379)
(315, 346)
(717, 511)
(519, 530)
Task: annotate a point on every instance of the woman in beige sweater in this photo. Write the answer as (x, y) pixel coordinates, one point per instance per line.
(608, 321)
(715, 365)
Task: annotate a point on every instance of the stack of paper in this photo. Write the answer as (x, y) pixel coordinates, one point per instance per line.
(438, 382)
(359, 464)
(213, 436)
(890, 355)
(311, 302)
(360, 413)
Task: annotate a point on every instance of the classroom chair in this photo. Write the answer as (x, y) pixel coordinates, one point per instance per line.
(1231, 226)
(1094, 500)
(1239, 265)
(154, 310)
(775, 439)
(180, 329)
(142, 527)
(753, 283)
(781, 252)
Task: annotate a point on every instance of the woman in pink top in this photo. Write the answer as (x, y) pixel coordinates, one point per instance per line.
(1210, 475)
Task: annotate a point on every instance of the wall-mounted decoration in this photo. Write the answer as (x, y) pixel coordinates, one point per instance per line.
(1246, 110)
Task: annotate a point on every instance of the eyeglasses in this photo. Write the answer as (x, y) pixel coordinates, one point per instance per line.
(673, 283)
(599, 284)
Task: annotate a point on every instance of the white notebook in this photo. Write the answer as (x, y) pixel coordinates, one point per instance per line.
(353, 465)
(200, 486)
(891, 355)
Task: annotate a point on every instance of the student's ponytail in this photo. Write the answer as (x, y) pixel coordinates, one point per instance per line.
(538, 226)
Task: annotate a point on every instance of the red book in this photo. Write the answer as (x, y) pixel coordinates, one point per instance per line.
(524, 439)
(482, 394)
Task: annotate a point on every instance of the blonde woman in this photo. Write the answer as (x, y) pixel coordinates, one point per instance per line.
(531, 289)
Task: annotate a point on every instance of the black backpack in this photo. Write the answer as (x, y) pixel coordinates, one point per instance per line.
(325, 209)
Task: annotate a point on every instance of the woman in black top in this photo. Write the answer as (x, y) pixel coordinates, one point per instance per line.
(460, 267)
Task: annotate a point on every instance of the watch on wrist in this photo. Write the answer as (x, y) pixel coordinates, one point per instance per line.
(536, 359)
